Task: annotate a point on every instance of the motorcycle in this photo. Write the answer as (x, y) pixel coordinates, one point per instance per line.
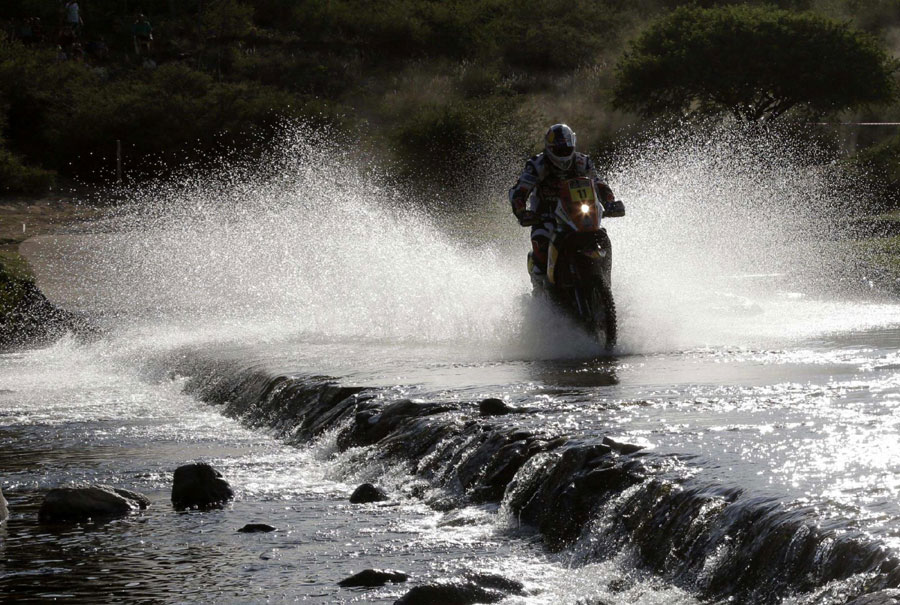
(579, 259)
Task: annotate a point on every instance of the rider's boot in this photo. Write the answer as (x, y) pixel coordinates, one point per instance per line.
(539, 285)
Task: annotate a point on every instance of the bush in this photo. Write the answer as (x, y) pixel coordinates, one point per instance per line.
(173, 108)
(880, 167)
(15, 177)
(445, 141)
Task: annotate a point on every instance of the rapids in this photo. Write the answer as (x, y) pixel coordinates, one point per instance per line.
(757, 370)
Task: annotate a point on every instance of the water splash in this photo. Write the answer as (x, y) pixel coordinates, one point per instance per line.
(725, 243)
(732, 239)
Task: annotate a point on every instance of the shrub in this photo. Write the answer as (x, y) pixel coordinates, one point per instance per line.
(16, 177)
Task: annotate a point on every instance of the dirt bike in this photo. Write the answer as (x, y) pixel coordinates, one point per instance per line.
(579, 259)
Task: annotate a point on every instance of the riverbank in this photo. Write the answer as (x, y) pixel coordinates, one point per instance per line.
(26, 316)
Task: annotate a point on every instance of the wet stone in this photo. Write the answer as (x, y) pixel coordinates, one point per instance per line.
(141, 500)
(459, 518)
(75, 504)
(489, 580)
(494, 407)
(450, 593)
(472, 587)
(256, 528)
(444, 504)
(366, 493)
(4, 508)
(623, 448)
(620, 585)
(890, 596)
(370, 578)
(199, 486)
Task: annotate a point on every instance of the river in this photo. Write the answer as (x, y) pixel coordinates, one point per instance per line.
(757, 383)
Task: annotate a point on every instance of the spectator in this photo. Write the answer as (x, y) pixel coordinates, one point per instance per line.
(61, 56)
(66, 37)
(37, 30)
(97, 49)
(25, 32)
(77, 53)
(143, 34)
(73, 17)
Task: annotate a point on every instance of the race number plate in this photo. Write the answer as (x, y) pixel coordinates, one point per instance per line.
(581, 191)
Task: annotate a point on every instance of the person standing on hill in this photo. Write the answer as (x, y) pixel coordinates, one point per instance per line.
(143, 34)
(73, 17)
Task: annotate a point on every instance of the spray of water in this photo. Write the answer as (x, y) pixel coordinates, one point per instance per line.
(724, 235)
(732, 239)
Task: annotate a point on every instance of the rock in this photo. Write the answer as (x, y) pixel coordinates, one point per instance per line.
(370, 578)
(366, 493)
(450, 593)
(199, 486)
(472, 588)
(28, 319)
(74, 504)
(444, 504)
(141, 500)
(494, 407)
(4, 508)
(620, 585)
(462, 518)
(623, 448)
(496, 581)
(256, 528)
(891, 596)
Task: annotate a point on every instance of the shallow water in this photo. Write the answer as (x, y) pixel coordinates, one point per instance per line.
(71, 417)
(748, 366)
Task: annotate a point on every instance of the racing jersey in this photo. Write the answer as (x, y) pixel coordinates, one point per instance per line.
(540, 179)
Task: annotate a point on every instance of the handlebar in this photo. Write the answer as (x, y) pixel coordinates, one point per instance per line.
(614, 209)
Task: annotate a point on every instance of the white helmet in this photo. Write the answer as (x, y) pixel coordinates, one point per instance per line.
(559, 146)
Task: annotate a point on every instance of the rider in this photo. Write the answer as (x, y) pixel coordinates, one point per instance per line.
(539, 182)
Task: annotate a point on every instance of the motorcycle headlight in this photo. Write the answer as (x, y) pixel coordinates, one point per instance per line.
(585, 209)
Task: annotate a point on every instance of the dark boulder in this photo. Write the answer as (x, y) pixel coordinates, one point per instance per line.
(472, 587)
(27, 318)
(141, 500)
(450, 593)
(74, 504)
(4, 508)
(623, 448)
(366, 493)
(199, 486)
(256, 528)
(494, 407)
(370, 578)
(496, 581)
(890, 596)
(373, 424)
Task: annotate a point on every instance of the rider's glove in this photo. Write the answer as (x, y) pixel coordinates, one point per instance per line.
(527, 218)
(613, 209)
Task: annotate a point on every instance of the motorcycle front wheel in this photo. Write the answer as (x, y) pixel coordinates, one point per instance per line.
(600, 318)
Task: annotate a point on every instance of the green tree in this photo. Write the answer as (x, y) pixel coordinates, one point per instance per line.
(756, 63)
